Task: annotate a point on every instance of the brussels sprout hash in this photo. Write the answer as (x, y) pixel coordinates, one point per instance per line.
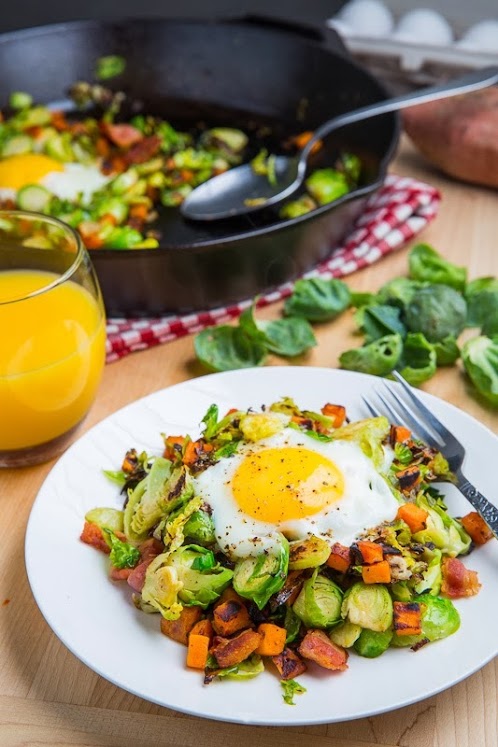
(310, 600)
(106, 173)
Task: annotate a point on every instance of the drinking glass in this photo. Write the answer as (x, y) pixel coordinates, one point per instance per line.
(52, 336)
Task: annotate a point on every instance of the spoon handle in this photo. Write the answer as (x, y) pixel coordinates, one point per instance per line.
(471, 82)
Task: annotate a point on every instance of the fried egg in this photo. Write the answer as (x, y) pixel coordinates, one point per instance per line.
(65, 180)
(295, 485)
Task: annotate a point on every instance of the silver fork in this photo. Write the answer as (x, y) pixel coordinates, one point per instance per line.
(424, 424)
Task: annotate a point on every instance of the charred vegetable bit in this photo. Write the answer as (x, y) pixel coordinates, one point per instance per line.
(294, 601)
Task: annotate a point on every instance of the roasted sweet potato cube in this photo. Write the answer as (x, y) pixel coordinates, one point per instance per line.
(336, 412)
(376, 573)
(477, 528)
(339, 558)
(409, 478)
(203, 627)
(179, 629)
(317, 646)
(230, 617)
(407, 618)
(371, 552)
(231, 651)
(399, 434)
(289, 664)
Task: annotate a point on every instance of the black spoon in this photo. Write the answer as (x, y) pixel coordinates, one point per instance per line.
(241, 190)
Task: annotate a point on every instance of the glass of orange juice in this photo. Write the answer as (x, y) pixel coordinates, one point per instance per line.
(52, 337)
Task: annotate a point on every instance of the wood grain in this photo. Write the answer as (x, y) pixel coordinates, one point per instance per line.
(49, 698)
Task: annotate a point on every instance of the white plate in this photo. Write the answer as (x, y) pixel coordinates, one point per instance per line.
(96, 620)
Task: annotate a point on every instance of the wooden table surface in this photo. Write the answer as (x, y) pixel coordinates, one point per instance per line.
(48, 697)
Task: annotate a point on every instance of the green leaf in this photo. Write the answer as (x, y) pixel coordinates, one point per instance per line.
(210, 421)
(378, 358)
(378, 321)
(317, 299)
(482, 302)
(418, 359)
(447, 351)
(399, 291)
(426, 264)
(287, 337)
(359, 299)
(226, 348)
(123, 555)
(116, 476)
(109, 67)
(290, 689)
(403, 453)
(480, 358)
(204, 562)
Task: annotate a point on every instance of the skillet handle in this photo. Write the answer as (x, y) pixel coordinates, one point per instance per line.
(314, 32)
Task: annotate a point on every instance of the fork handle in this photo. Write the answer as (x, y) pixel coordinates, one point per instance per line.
(484, 508)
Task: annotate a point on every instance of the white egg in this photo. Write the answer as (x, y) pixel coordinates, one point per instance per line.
(423, 26)
(365, 18)
(482, 37)
(75, 179)
(294, 484)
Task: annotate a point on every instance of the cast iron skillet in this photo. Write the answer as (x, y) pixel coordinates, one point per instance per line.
(239, 73)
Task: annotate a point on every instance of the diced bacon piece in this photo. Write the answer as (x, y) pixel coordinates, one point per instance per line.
(123, 135)
(92, 535)
(458, 581)
(289, 664)
(317, 646)
(231, 651)
(144, 150)
(119, 574)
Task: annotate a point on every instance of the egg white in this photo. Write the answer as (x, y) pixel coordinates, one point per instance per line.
(74, 180)
(366, 501)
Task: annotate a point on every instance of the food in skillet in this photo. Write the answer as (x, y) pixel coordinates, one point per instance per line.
(106, 174)
(287, 536)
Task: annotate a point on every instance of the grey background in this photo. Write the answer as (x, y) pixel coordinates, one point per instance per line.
(23, 13)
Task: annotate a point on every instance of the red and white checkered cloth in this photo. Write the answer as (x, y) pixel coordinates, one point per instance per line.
(393, 216)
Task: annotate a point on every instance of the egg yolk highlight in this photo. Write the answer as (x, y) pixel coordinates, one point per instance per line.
(276, 485)
(18, 171)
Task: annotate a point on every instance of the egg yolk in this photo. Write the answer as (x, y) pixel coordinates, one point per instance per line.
(276, 485)
(29, 168)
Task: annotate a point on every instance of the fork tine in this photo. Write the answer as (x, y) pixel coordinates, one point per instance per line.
(437, 426)
(408, 417)
(370, 409)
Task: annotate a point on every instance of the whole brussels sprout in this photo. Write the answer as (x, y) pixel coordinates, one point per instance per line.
(199, 527)
(308, 553)
(260, 577)
(437, 311)
(371, 643)
(319, 602)
(368, 605)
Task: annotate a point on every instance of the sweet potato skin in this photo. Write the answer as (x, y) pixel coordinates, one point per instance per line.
(458, 135)
(317, 646)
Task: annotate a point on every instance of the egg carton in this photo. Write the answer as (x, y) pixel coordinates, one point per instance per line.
(393, 50)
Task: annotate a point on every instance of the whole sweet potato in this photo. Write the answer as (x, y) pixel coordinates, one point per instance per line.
(459, 135)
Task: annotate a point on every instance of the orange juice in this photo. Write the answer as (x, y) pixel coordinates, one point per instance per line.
(52, 348)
